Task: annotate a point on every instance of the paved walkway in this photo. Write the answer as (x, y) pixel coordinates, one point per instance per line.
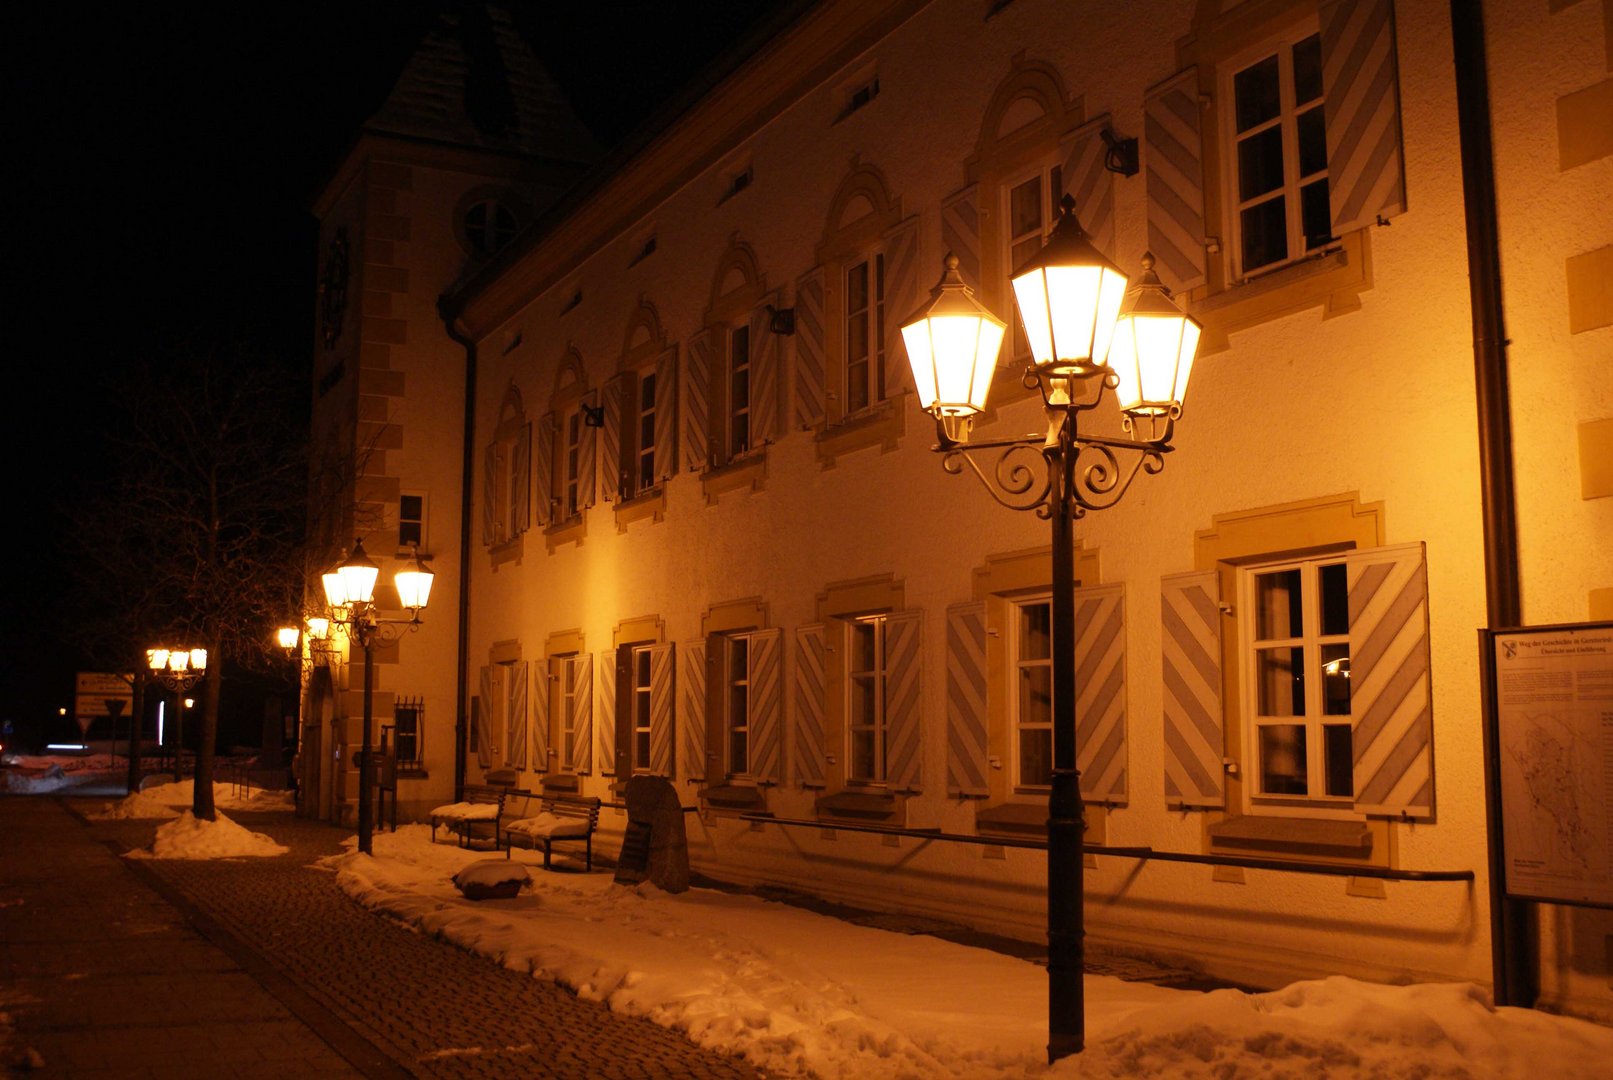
(283, 975)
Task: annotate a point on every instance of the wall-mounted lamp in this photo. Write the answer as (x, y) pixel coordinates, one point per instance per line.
(781, 320)
(1121, 157)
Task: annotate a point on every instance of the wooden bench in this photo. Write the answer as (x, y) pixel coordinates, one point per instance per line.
(470, 814)
(559, 818)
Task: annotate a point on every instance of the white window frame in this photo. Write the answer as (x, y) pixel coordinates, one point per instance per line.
(1282, 46)
(1051, 176)
(1315, 802)
(872, 388)
(735, 725)
(1020, 665)
(738, 412)
(639, 706)
(878, 724)
(568, 712)
(642, 475)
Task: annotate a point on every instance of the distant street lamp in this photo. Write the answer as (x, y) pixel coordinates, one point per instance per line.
(1088, 333)
(350, 592)
(178, 669)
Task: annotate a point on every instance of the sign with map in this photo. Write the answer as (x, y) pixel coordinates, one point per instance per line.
(1554, 711)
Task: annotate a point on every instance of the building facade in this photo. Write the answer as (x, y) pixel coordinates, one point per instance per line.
(708, 539)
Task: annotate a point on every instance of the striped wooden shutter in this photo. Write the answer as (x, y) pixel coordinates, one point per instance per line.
(1191, 645)
(586, 448)
(960, 236)
(1100, 692)
(766, 676)
(481, 710)
(966, 700)
(663, 694)
(697, 393)
(540, 716)
(764, 377)
(521, 481)
(490, 496)
(903, 289)
(903, 728)
(610, 440)
(692, 708)
(666, 415)
(1090, 183)
(1173, 165)
(543, 470)
(808, 758)
(515, 754)
(1361, 101)
(1391, 704)
(582, 722)
(810, 384)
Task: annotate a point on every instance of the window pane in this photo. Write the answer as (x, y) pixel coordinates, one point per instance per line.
(1260, 164)
(1280, 679)
(1035, 631)
(641, 749)
(862, 755)
(646, 432)
(1025, 208)
(1308, 69)
(863, 704)
(1036, 695)
(857, 288)
(738, 755)
(1265, 234)
(1335, 599)
(410, 506)
(1339, 764)
(862, 647)
(857, 385)
(641, 664)
(1279, 607)
(738, 657)
(646, 391)
(1256, 93)
(1336, 679)
(1282, 760)
(1316, 216)
(1312, 142)
(409, 533)
(1036, 758)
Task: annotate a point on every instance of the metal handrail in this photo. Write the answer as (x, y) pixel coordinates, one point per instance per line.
(1135, 852)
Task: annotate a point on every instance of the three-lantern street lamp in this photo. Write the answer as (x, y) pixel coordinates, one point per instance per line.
(1090, 331)
(350, 594)
(178, 669)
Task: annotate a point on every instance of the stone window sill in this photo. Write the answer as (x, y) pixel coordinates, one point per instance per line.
(733, 799)
(749, 471)
(1294, 838)
(1028, 821)
(882, 426)
(571, 531)
(1333, 280)
(860, 807)
(650, 504)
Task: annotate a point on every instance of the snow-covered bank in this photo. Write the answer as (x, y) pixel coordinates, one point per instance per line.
(189, 837)
(799, 993)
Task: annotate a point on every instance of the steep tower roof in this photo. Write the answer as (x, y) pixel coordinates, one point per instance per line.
(474, 82)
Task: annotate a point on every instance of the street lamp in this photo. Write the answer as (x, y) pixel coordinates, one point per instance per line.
(350, 592)
(178, 669)
(1088, 333)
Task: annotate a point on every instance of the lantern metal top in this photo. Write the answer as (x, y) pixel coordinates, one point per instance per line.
(1067, 245)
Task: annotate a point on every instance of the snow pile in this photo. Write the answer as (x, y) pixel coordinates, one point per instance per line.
(190, 837)
(492, 872)
(798, 993)
(167, 800)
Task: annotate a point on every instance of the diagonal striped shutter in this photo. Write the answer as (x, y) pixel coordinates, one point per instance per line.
(1100, 692)
(692, 708)
(766, 677)
(481, 728)
(490, 496)
(1361, 102)
(1173, 164)
(663, 693)
(697, 394)
(666, 415)
(521, 480)
(540, 716)
(764, 374)
(543, 470)
(586, 448)
(515, 756)
(1191, 644)
(1090, 183)
(960, 236)
(1391, 713)
(582, 721)
(610, 440)
(902, 295)
(808, 757)
(810, 386)
(966, 700)
(903, 728)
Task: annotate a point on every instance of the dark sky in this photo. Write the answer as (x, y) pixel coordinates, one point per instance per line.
(163, 160)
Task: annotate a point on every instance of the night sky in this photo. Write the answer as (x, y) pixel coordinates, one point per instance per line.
(163, 161)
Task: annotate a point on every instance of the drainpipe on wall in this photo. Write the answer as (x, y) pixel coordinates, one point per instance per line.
(1514, 946)
(449, 315)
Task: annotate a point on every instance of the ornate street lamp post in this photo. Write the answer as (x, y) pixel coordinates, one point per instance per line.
(1088, 333)
(350, 592)
(178, 669)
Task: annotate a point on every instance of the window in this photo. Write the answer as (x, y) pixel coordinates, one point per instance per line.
(865, 333)
(1033, 694)
(739, 397)
(1279, 156)
(489, 224)
(506, 482)
(1296, 659)
(866, 707)
(511, 716)
(568, 691)
(407, 727)
(642, 474)
(571, 478)
(736, 704)
(858, 95)
(411, 521)
(1032, 208)
(641, 699)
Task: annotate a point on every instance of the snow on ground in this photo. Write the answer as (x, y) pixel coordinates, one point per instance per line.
(165, 800)
(190, 837)
(798, 993)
